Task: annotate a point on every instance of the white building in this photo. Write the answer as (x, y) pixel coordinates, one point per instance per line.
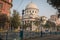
(30, 16)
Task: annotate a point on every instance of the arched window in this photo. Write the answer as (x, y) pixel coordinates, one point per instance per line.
(32, 11)
(1, 5)
(35, 11)
(27, 11)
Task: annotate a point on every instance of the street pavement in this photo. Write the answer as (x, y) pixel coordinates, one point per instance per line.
(30, 36)
(49, 37)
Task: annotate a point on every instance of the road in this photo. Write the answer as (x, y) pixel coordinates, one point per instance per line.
(30, 36)
(50, 37)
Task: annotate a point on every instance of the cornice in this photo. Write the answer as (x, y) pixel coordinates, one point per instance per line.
(7, 2)
(32, 8)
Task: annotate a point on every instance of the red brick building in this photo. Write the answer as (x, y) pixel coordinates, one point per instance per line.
(5, 6)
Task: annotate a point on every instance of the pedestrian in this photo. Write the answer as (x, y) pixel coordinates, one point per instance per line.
(21, 34)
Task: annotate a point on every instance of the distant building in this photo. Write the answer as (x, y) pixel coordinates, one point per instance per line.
(53, 18)
(58, 22)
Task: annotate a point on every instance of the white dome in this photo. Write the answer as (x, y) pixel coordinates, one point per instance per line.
(31, 5)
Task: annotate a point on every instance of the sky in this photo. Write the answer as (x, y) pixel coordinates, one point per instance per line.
(44, 8)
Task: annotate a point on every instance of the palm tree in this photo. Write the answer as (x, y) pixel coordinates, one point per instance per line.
(49, 25)
(37, 23)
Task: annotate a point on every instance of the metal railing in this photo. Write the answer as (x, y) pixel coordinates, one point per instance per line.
(27, 34)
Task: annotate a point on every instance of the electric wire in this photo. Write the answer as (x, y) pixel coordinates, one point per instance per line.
(20, 4)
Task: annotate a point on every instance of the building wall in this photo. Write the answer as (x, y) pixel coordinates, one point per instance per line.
(31, 13)
(5, 7)
(53, 17)
(58, 22)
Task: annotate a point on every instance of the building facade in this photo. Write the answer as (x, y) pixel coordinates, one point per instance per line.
(53, 18)
(58, 22)
(30, 14)
(5, 6)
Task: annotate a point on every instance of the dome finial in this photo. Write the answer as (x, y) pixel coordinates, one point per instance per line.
(31, 5)
(31, 1)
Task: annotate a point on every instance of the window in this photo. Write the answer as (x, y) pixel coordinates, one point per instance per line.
(32, 11)
(35, 11)
(27, 11)
(0, 5)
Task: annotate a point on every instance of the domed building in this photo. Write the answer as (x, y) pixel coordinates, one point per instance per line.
(31, 11)
(30, 15)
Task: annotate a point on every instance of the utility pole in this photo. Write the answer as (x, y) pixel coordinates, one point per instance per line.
(21, 31)
(7, 35)
(41, 27)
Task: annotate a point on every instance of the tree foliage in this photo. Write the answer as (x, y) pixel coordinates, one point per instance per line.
(27, 25)
(58, 27)
(3, 19)
(15, 19)
(55, 4)
(37, 22)
(49, 24)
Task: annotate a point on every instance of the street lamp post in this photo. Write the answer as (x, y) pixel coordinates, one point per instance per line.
(41, 27)
(22, 18)
(21, 31)
(6, 35)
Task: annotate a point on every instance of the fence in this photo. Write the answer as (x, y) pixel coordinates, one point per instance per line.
(27, 34)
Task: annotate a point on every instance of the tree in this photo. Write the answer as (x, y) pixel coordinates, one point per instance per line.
(58, 27)
(15, 19)
(3, 20)
(26, 25)
(37, 22)
(55, 4)
(46, 25)
(49, 24)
